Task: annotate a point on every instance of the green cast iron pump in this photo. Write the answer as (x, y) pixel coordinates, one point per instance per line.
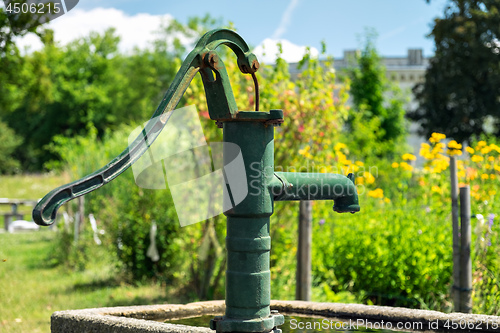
(248, 244)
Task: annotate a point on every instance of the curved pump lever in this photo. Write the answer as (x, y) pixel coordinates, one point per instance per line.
(203, 58)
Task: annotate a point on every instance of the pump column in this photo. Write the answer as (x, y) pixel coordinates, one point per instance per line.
(248, 243)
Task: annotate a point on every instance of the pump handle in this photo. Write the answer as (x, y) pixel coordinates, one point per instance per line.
(204, 58)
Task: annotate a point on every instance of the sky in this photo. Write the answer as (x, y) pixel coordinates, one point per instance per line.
(400, 24)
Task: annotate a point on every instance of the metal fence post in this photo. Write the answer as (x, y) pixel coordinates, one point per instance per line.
(456, 234)
(465, 259)
(303, 278)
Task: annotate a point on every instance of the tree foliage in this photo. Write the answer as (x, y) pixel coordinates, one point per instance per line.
(11, 83)
(61, 90)
(378, 124)
(9, 141)
(461, 93)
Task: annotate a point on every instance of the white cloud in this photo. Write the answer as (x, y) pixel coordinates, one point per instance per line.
(285, 19)
(267, 50)
(137, 30)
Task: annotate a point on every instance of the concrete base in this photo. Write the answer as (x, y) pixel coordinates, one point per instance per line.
(140, 319)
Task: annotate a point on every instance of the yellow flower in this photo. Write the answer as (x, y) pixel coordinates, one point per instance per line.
(368, 177)
(423, 152)
(443, 157)
(454, 148)
(453, 152)
(354, 168)
(491, 158)
(480, 144)
(439, 146)
(440, 164)
(406, 166)
(359, 163)
(495, 147)
(477, 158)
(497, 168)
(436, 137)
(409, 157)
(485, 150)
(395, 165)
(376, 193)
(492, 192)
(485, 176)
(493, 177)
(339, 146)
(341, 157)
(360, 181)
(470, 150)
(428, 156)
(454, 145)
(424, 145)
(436, 189)
(387, 200)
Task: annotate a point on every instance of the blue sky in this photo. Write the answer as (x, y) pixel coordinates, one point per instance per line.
(400, 24)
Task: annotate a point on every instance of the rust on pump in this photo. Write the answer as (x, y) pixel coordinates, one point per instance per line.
(248, 242)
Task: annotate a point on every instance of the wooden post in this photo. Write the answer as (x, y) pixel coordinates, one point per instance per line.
(456, 234)
(76, 229)
(79, 218)
(81, 211)
(465, 259)
(303, 284)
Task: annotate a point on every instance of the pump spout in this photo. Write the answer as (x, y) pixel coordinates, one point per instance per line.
(287, 186)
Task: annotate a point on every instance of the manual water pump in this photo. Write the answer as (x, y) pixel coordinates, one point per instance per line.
(248, 242)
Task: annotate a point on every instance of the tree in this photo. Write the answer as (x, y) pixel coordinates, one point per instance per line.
(60, 90)
(64, 90)
(461, 93)
(9, 141)
(12, 82)
(378, 124)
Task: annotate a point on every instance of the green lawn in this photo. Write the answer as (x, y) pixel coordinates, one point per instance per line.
(31, 289)
(28, 186)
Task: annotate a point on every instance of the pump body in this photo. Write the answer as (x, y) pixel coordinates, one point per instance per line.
(248, 241)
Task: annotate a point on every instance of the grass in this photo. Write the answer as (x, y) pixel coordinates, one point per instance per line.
(28, 186)
(31, 289)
